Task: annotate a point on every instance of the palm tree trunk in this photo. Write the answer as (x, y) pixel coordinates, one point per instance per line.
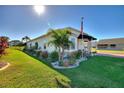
(59, 55)
(26, 41)
(62, 56)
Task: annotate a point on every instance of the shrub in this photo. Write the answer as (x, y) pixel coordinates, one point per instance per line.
(61, 63)
(86, 54)
(20, 48)
(76, 54)
(30, 50)
(72, 61)
(38, 53)
(3, 44)
(44, 54)
(2, 51)
(72, 58)
(21, 44)
(33, 47)
(54, 56)
(25, 48)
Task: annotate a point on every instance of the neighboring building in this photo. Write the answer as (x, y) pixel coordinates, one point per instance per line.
(14, 42)
(111, 44)
(42, 41)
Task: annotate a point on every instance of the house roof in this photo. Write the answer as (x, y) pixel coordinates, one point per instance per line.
(85, 35)
(112, 41)
(14, 41)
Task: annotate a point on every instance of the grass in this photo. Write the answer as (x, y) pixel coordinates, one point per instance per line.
(25, 71)
(111, 51)
(98, 71)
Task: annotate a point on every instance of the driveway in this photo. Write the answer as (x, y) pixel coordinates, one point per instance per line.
(111, 54)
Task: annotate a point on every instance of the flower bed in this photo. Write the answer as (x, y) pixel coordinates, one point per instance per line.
(3, 65)
(57, 66)
(70, 60)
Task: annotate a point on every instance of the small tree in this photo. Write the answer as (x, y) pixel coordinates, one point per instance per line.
(25, 39)
(60, 39)
(3, 44)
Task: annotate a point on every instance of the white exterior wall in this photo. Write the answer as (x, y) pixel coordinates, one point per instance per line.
(45, 39)
(86, 45)
(70, 50)
(50, 47)
(41, 42)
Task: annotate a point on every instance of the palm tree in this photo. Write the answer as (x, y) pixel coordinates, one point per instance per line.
(26, 38)
(60, 39)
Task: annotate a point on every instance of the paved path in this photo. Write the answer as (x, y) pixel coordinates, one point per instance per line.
(112, 55)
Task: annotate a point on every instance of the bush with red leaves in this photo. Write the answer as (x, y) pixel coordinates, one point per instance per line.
(3, 44)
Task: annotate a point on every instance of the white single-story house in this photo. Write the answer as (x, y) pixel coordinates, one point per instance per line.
(42, 41)
(14, 42)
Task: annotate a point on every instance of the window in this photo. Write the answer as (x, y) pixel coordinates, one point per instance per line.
(36, 45)
(45, 43)
(66, 47)
(112, 45)
(30, 45)
(39, 47)
(102, 45)
(44, 46)
(73, 41)
(85, 41)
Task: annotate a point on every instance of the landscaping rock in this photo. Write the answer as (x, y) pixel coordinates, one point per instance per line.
(77, 63)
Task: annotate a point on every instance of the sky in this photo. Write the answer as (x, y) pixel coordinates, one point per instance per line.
(99, 21)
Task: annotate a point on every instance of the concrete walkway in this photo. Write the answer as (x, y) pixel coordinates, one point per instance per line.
(112, 55)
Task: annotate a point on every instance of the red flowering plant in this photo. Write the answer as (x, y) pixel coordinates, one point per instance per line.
(3, 44)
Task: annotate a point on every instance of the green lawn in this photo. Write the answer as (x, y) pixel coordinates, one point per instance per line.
(98, 71)
(25, 71)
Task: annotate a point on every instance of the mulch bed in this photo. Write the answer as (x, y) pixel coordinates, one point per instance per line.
(3, 64)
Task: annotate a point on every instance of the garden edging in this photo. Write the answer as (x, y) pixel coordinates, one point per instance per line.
(8, 64)
(56, 64)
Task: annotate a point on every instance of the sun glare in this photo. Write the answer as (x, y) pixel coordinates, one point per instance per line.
(39, 9)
